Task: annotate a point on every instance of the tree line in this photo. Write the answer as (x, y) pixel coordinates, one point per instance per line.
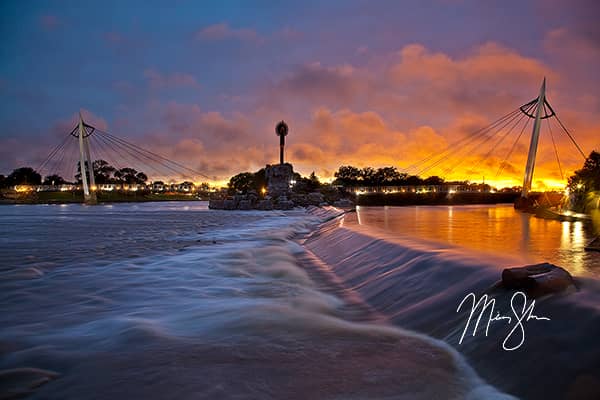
(348, 175)
(103, 173)
(247, 182)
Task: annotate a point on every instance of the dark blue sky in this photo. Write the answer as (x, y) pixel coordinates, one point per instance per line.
(166, 72)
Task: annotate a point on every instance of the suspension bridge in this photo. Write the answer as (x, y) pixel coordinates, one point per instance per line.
(483, 144)
(94, 150)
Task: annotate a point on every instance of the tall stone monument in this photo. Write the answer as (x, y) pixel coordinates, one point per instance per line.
(279, 176)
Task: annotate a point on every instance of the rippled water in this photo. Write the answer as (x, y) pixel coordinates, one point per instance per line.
(497, 229)
(172, 300)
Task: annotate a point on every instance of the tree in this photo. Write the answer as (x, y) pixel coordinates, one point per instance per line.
(241, 183)
(127, 175)
(103, 171)
(347, 175)
(387, 176)
(260, 180)
(413, 180)
(24, 176)
(2, 181)
(306, 185)
(585, 181)
(141, 177)
(588, 177)
(314, 181)
(248, 181)
(367, 175)
(434, 180)
(54, 180)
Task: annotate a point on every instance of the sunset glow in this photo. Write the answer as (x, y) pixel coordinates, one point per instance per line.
(374, 89)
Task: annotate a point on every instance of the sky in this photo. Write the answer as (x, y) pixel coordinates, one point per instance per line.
(365, 83)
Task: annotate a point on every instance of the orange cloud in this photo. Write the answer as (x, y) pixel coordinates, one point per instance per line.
(395, 110)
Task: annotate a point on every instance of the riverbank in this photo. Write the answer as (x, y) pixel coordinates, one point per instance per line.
(434, 198)
(419, 285)
(103, 197)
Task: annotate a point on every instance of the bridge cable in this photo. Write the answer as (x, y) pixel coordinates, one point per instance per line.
(56, 169)
(467, 138)
(104, 152)
(142, 150)
(136, 154)
(505, 160)
(570, 136)
(481, 139)
(53, 153)
(132, 149)
(486, 156)
(127, 154)
(555, 150)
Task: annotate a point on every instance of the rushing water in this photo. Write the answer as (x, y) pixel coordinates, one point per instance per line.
(173, 300)
(497, 229)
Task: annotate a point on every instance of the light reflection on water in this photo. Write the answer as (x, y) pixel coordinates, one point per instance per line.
(497, 229)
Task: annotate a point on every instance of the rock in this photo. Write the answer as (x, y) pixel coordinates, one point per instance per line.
(239, 197)
(215, 204)
(229, 204)
(20, 382)
(265, 204)
(343, 203)
(537, 280)
(284, 204)
(315, 198)
(299, 199)
(253, 199)
(244, 205)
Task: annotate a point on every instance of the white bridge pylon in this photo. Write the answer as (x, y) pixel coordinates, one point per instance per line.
(533, 145)
(85, 164)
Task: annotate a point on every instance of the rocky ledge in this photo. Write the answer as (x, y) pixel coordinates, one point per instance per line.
(252, 201)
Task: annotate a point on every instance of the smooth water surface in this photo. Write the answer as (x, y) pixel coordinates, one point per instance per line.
(497, 229)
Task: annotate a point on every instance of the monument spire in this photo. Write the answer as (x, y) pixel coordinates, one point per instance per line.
(281, 130)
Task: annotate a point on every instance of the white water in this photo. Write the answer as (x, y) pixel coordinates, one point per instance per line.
(418, 284)
(177, 301)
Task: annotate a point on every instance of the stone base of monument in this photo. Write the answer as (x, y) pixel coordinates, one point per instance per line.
(280, 194)
(278, 178)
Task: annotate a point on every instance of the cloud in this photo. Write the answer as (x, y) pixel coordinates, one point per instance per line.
(397, 112)
(390, 109)
(223, 31)
(490, 75)
(156, 80)
(338, 85)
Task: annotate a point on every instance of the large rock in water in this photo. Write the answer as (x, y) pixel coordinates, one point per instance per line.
(537, 280)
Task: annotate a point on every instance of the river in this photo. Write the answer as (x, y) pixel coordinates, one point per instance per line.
(173, 300)
(499, 230)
